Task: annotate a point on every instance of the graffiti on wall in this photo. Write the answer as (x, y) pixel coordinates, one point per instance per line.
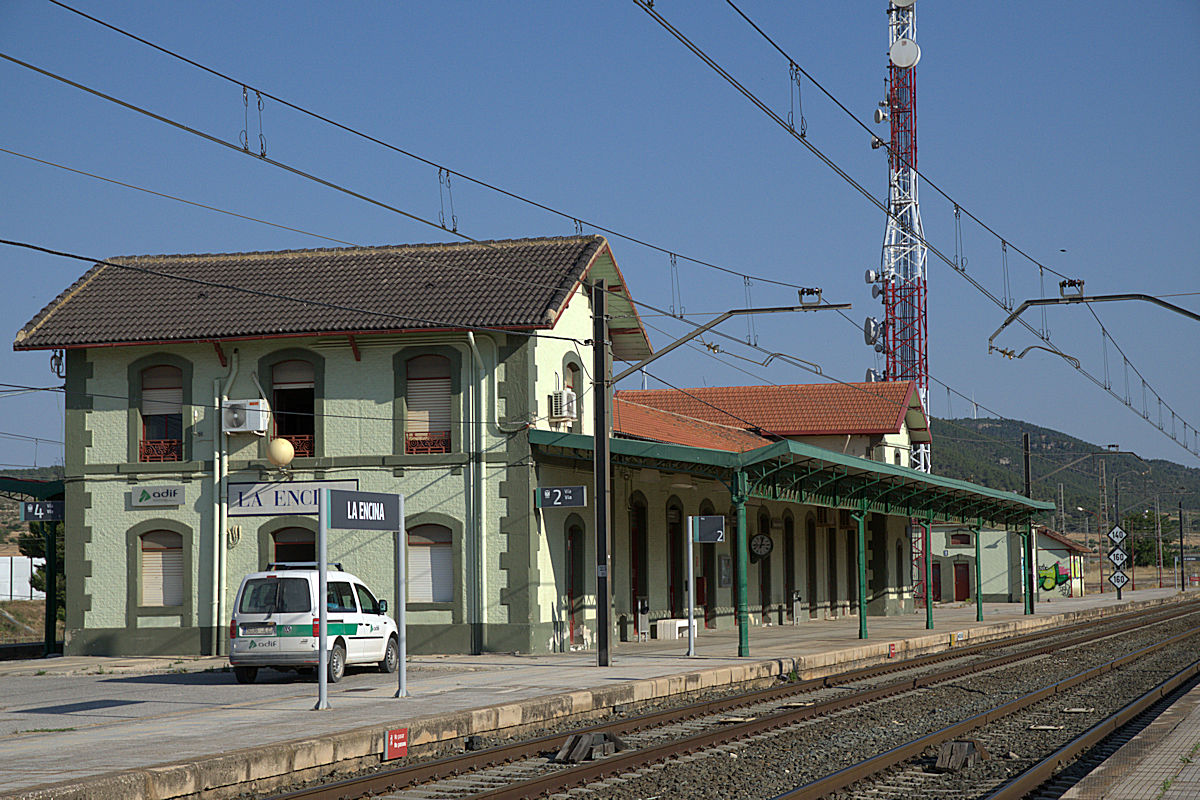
(1055, 576)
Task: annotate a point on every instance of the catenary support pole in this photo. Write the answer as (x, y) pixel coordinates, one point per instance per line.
(1117, 515)
(978, 531)
(743, 556)
(926, 532)
(322, 601)
(1031, 574)
(600, 405)
(1030, 542)
(1182, 583)
(50, 542)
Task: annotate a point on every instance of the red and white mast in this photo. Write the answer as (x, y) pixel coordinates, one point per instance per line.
(902, 279)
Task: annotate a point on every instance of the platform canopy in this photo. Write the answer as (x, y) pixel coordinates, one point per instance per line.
(801, 473)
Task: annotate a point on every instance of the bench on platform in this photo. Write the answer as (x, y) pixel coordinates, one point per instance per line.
(672, 628)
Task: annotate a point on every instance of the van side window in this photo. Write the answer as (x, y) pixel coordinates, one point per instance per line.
(366, 600)
(340, 596)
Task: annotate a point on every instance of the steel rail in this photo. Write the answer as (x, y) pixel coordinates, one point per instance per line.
(402, 777)
(848, 776)
(1044, 770)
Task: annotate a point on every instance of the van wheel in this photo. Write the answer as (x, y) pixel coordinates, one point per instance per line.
(337, 663)
(391, 657)
(245, 674)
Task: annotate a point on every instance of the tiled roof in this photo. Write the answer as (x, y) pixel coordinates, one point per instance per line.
(636, 421)
(520, 284)
(1054, 535)
(807, 409)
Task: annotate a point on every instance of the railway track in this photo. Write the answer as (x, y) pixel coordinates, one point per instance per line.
(718, 726)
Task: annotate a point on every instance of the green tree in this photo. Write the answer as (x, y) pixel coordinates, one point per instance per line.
(32, 543)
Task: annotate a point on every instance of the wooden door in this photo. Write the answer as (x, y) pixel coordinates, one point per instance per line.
(937, 582)
(962, 582)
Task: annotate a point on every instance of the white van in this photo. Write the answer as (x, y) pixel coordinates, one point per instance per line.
(275, 623)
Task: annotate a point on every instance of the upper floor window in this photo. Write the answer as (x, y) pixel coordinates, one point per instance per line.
(427, 400)
(162, 414)
(162, 569)
(960, 538)
(293, 404)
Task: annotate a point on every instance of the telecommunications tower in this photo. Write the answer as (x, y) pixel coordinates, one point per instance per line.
(901, 280)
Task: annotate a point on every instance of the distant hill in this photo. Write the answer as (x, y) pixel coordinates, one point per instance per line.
(988, 452)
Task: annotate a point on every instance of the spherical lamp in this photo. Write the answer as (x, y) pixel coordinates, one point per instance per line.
(280, 452)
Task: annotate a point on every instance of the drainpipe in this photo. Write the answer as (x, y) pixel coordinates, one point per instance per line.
(223, 515)
(860, 516)
(217, 414)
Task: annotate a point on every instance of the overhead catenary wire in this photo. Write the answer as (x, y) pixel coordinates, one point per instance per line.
(648, 7)
(344, 189)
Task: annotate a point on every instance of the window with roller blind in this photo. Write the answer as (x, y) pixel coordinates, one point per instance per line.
(427, 399)
(293, 405)
(161, 569)
(430, 564)
(162, 414)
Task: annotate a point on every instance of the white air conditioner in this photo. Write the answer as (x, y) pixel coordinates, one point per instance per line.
(245, 416)
(562, 405)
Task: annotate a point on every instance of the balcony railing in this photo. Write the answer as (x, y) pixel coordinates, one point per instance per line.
(427, 442)
(160, 450)
(302, 444)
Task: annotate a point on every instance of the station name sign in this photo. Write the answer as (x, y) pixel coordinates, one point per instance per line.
(364, 511)
(277, 499)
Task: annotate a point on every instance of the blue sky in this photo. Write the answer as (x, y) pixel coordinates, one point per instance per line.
(1063, 126)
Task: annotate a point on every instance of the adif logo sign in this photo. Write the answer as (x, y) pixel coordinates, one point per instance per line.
(156, 496)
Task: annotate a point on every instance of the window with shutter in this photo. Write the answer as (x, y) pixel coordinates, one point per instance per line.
(430, 565)
(294, 544)
(162, 414)
(427, 401)
(293, 403)
(162, 569)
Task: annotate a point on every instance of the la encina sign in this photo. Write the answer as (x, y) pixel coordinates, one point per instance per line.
(365, 511)
(148, 496)
(278, 499)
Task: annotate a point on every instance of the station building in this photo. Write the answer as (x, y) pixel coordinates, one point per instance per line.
(457, 376)
(1002, 565)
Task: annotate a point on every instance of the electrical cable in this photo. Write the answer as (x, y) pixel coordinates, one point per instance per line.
(477, 181)
(755, 100)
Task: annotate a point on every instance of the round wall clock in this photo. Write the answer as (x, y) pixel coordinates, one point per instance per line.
(761, 544)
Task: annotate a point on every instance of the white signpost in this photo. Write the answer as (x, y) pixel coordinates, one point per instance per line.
(706, 529)
(362, 511)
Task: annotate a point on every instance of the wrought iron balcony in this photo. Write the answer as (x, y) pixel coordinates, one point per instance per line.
(160, 450)
(427, 442)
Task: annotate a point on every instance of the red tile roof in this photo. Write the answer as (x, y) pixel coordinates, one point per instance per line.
(635, 421)
(511, 284)
(807, 409)
(1073, 546)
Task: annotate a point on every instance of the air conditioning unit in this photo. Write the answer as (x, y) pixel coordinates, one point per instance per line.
(245, 416)
(562, 405)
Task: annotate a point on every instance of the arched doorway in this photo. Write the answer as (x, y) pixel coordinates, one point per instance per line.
(575, 581)
(293, 544)
(831, 562)
(810, 541)
(639, 581)
(676, 574)
(789, 564)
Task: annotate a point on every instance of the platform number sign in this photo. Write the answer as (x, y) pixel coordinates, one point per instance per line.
(42, 511)
(560, 497)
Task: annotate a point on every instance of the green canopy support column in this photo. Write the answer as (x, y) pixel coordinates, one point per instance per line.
(743, 557)
(860, 517)
(1031, 572)
(978, 531)
(925, 529)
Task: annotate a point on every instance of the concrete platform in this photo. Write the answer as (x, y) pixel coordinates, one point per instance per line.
(137, 728)
(1161, 763)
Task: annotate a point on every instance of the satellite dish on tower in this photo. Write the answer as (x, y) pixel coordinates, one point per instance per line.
(904, 53)
(870, 330)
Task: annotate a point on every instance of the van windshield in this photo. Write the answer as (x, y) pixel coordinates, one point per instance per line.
(275, 595)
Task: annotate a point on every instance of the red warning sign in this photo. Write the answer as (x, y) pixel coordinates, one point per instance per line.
(397, 744)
